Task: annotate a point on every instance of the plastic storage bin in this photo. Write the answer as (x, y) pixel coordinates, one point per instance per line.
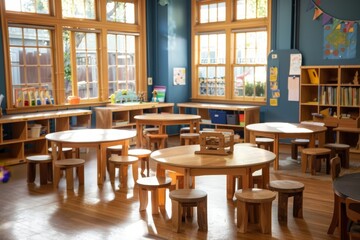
(232, 119)
(34, 131)
(218, 116)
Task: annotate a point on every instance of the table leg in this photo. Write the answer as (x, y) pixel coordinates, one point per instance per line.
(55, 158)
(230, 186)
(160, 172)
(100, 174)
(266, 176)
(139, 132)
(276, 152)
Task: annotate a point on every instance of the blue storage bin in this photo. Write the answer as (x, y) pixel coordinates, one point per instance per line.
(218, 116)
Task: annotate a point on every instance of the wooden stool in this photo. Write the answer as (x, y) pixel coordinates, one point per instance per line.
(286, 189)
(189, 138)
(245, 145)
(122, 162)
(342, 150)
(261, 198)
(66, 152)
(116, 149)
(311, 155)
(146, 131)
(295, 144)
(156, 140)
(45, 168)
(143, 155)
(68, 165)
(267, 143)
(151, 184)
(188, 198)
(186, 130)
(257, 180)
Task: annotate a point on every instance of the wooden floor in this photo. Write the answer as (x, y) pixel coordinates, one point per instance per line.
(28, 211)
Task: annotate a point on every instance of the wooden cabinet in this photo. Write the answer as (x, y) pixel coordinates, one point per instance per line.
(122, 115)
(246, 114)
(333, 93)
(24, 134)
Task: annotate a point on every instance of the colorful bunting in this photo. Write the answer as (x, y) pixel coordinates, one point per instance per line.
(317, 13)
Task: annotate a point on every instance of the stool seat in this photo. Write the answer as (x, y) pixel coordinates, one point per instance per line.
(143, 155)
(315, 154)
(68, 165)
(188, 198)
(189, 138)
(245, 144)
(343, 150)
(254, 197)
(122, 162)
(286, 189)
(186, 130)
(45, 167)
(267, 143)
(295, 144)
(115, 147)
(64, 149)
(151, 184)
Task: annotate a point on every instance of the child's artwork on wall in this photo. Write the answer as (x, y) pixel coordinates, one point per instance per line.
(179, 76)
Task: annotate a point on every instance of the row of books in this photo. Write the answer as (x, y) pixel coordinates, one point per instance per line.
(350, 96)
(328, 95)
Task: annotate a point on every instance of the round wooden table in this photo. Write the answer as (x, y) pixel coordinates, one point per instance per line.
(278, 130)
(163, 120)
(243, 162)
(346, 186)
(96, 138)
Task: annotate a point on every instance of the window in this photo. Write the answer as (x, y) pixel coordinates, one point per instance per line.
(230, 58)
(28, 6)
(49, 57)
(31, 63)
(121, 62)
(120, 11)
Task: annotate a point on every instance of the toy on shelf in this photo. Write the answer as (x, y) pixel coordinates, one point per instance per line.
(217, 142)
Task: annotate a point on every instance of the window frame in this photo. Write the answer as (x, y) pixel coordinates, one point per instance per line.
(101, 25)
(230, 27)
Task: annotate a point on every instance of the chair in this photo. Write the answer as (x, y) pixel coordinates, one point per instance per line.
(69, 165)
(185, 198)
(254, 197)
(45, 167)
(353, 214)
(286, 189)
(335, 166)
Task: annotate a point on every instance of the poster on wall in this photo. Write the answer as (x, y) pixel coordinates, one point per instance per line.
(340, 40)
(179, 76)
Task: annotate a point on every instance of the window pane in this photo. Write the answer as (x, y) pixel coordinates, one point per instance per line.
(240, 9)
(29, 6)
(202, 80)
(30, 37)
(78, 9)
(67, 65)
(213, 12)
(250, 9)
(204, 13)
(118, 11)
(260, 81)
(221, 12)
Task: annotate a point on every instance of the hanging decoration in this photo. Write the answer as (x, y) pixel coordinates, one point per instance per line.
(340, 36)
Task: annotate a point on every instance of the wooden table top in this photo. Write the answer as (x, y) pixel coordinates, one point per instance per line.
(167, 117)
(90, 135)
(184, 156)
(285, 128)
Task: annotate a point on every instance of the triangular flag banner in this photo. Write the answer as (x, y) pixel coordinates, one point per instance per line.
(336, 22)
(310, 6)
(326, 18)
(317, 13)
(348, 26)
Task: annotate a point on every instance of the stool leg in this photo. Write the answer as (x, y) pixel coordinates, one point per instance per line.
(81, 174)
(265, 217)
(327, 164)
(43, 173)
(346, 159)
(123, 168)
(50, 172)
(143, 197)
(294, 151)
(31, 170)
(304, 160)
(112, 172)
(142, 165)
(176, 215)
(57, 172)
(282, 206)
(202, 215)
(312, 165)
(298, 205)
(70, 178)
(147, 166)
(154, 201)
(242, 216)
(135, 171)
